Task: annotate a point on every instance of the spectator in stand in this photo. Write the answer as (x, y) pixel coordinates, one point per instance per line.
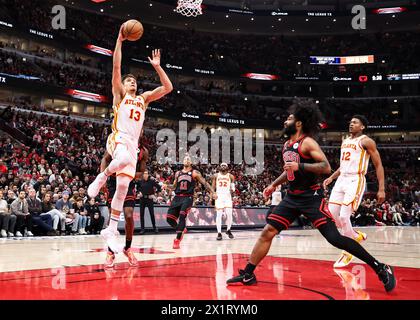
(66, 208)
(44, 222)
(96, 221)
(57, 217)
(80, 210)
(11, 196)
(7, 220)
(19, 208)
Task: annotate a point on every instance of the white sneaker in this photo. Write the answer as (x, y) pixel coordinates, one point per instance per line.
(10, 234)
(30, 234)
(4, 233)
(96, 185)
(18, 234)
(84, 231)
(110, 236)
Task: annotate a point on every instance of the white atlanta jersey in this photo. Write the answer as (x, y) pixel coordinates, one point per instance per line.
(223, 185)
(354, 158)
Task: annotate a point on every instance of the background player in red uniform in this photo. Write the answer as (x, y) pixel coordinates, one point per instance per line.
(184, 185)
(304, 163)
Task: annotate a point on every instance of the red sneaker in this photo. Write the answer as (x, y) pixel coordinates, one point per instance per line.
(176, 244)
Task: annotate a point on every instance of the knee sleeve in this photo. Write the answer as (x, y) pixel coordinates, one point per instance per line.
(229, 218)
(219, 220)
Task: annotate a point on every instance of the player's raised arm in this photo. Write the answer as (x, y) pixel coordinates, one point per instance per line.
(197, 175)
(166, 86)
(117, 87)
(370, 147)
(312, 149)
(213, 182)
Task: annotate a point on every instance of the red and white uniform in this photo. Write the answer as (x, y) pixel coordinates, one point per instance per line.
(223, 187)
(129, 117)
(351, 183)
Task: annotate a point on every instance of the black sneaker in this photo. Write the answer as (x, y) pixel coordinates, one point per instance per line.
(229, 233)
(245, 278)
(156, 230)
(387, 276)
(219, 236)
(142, 231)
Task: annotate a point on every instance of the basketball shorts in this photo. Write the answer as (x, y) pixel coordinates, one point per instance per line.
(130, 199)
(312, 205)
(180, 204)
(348, 190)
(118, 146)
(223, 202)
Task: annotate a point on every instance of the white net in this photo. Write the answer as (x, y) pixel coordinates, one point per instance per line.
(189, 8)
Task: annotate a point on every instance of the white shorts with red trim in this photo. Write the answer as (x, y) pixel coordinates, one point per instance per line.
(223, 202)
(119, 146)
(348, 190)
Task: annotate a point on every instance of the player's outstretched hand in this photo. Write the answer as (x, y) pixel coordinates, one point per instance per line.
(268, 191)
(155, 60)
(214, 196)
(326, 183)
(121, 33)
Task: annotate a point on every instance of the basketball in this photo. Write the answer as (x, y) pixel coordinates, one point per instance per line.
(133, 30)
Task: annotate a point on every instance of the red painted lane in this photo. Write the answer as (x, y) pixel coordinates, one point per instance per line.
(203, 278)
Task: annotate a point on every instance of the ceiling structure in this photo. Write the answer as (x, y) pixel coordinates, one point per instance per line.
(288, 17)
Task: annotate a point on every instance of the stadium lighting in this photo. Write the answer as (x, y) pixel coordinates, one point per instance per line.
(395, 100)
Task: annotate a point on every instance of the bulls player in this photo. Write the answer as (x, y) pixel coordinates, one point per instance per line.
(223, 183)
(129, 204)
(184, 185)
(304, 163)
(347, 193)
(129, 114)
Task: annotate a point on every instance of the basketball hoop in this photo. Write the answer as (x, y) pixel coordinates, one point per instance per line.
(189, 8)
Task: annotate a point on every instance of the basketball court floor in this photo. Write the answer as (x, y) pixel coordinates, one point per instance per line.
(299, 266)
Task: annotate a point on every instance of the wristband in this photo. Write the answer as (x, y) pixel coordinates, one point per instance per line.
(301, 166)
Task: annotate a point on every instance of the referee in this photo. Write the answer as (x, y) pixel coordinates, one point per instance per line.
(146, 189)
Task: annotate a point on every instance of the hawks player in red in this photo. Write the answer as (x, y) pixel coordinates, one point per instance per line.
(304, 162)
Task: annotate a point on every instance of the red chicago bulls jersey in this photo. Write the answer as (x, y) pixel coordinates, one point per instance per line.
(299, 181)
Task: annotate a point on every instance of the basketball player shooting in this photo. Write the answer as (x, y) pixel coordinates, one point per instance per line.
(347, 193)
(304, 163)
(223, 182)
(129, 114)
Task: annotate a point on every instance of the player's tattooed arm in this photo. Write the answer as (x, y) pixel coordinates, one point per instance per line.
(311, 149)
(173, 185)
(370, 147)
(213, 182)
(197, 175)
(270, 189)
